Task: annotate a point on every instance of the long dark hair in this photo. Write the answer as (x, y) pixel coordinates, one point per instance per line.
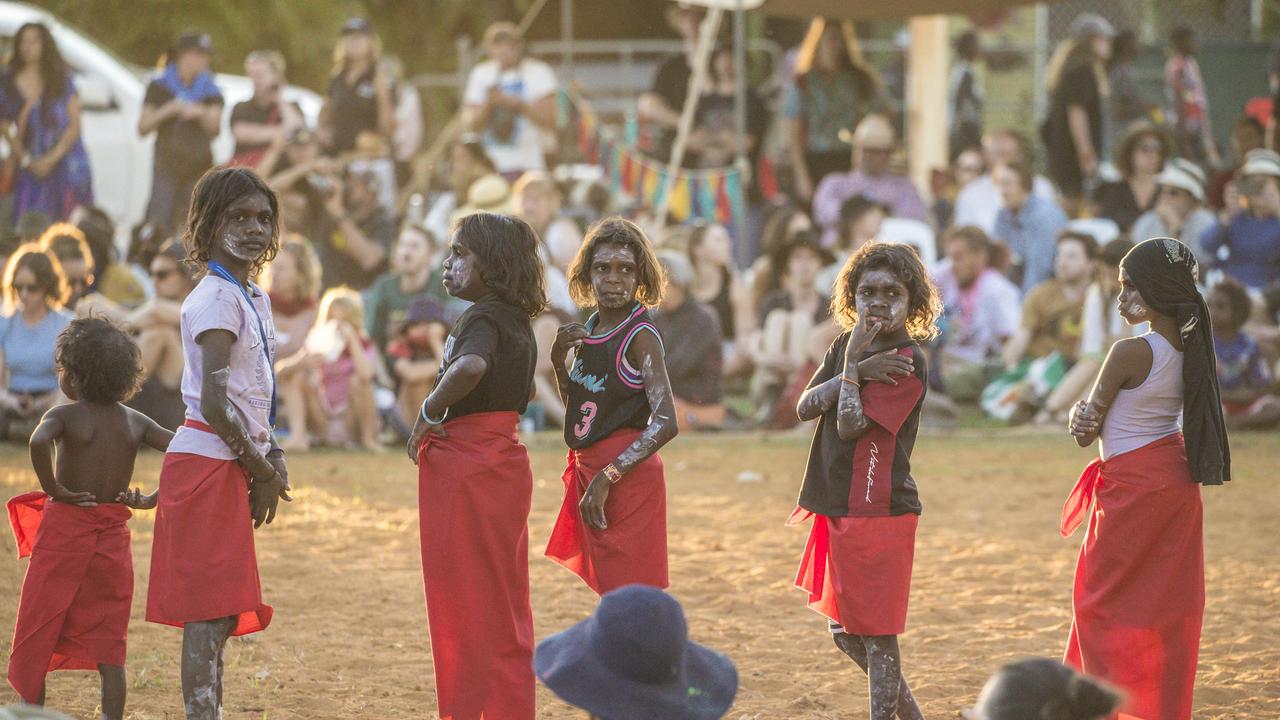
(214, 193)
(54, 74)
(508, 252)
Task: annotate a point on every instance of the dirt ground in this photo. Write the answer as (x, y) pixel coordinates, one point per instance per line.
(992, 583)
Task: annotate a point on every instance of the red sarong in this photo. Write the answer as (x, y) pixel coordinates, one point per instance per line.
(203, 565)
(857, 570)
(474, 492)
(1138, 598)
(74, 610)
(634, 547)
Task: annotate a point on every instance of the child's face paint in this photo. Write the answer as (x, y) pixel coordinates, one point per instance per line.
(1130, 304)
(462, 273)
(614, 276)
(245, 231)
(882, 297)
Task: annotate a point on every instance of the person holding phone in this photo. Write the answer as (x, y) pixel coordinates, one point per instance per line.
(265, 117)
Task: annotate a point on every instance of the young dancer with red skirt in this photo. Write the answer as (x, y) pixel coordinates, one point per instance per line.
(474, 480)
(223, 473)
(612, 528)
(858, 487)
(1138, 597)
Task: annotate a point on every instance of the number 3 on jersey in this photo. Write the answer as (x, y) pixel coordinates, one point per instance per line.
(588, 412)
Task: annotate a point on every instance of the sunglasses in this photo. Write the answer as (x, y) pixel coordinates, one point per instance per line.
(78, 282)
(23, 288)
(161, 275)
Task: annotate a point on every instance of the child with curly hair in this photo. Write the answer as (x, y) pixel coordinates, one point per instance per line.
(858, 488)
(74, 610)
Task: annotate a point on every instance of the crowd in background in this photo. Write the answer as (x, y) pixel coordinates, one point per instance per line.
(1027, 264)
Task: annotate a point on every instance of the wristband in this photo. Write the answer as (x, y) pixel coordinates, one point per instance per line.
(851, 381)
(612, 472)
(422, 414)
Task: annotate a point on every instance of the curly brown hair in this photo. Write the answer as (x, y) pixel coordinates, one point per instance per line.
(507, 250)
(623, 233)
(923, 304)
(214, 193)
(99, 360)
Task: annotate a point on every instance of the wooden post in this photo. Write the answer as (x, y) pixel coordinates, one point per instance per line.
(928, 66)
(706, 41)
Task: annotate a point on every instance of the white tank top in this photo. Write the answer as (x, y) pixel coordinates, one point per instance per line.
(1149, 412)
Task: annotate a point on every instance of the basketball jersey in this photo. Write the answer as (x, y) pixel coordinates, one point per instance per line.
(605, 393)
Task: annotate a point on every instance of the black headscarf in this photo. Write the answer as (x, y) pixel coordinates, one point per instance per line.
(1164, 271)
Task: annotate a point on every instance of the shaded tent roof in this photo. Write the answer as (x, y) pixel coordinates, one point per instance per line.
(884, 9)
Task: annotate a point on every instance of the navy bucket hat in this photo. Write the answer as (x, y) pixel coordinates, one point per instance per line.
(632, 660)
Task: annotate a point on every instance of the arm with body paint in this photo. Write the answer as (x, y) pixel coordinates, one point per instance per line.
(818, 399)
(851, 420)
(461, 377)
(1126, 366)
(645, 351)
(268, 485)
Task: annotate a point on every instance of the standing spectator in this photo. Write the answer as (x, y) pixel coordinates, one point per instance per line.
(511, 99)
(696, 363)
(1244, 378)
(415, 273)
(835, 88)
(873, 147)
(660, 107)
(1053, 311)
(1126, 104)
(33, 317)
(1247, 246)
(407, 139)
(55, 176)
(1027, 226)
(183, 107)
(468, 162)
(716, 284)
(360, 99)
(979, 201)
(265, 117)
(1141, 155)
(537, 201)
(1246, 136)
(965, 96)
(1072, 132)
(356, 253)
(1188, 103)
(1179, 212)
(714, 140)
(982, 310)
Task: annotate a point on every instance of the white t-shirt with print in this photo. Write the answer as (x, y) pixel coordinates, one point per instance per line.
(216, 304)
(530, 80)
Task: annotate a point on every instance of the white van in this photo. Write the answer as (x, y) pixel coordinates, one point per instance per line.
(111, 91)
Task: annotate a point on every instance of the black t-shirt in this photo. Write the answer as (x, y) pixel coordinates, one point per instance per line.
(870, 476)
(353, 109)
(251, 112)
(606, 394)
(1078, 86)
(671, 82)
(1117, 203)
(340, 268)
(183, 149)
(502, 335)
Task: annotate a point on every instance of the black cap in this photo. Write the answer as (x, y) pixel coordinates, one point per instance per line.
(356, 25)
(193, 41)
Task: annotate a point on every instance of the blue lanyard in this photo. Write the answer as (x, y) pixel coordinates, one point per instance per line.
(221, 271)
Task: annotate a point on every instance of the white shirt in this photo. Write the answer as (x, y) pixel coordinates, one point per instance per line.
(980, 317)
(530, 80)
(980, 201)
(216, 304)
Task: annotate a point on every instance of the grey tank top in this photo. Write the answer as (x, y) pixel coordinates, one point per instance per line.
(1149, 412)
